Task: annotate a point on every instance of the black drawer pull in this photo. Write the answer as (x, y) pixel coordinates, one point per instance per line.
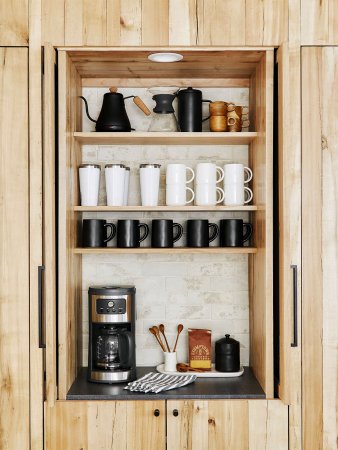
(175, 413)
(40, 296)
(156, 412)
(295, 306)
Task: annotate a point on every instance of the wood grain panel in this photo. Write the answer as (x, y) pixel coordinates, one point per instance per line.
(319, 22)
(155, 22)
(159, 22)
(227, 424)
(13, 23)
(14, 250)
(116, 425)
(260, 272)
(49, 221)
(320, 247)
(289, 163)
(69, 269)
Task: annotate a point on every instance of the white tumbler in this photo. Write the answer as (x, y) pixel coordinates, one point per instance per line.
(89, 175)
(115, 175)
(150, 184)
(126, 186)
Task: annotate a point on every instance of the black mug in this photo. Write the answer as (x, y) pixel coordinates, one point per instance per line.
(234, 232)
(94, 233)
(128, 233)
(162, 233)
(198, 233)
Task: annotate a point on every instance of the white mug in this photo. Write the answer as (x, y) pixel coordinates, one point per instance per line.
(206, 194)
(89, 175)
(177, 173)
(176, 194)
(126, 186)
(234, 194)
(115, 174)
(208, 173)
(150, 184)
(234, 173)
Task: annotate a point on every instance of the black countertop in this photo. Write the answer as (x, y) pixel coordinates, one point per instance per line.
(245, 386)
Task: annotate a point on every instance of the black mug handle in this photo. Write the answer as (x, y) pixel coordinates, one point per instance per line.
(146, 231)
(179, 231)
(112, 231)
(215, 233)
(206, 101)
(248, 231)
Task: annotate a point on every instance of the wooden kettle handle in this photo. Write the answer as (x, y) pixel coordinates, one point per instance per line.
(143, 107)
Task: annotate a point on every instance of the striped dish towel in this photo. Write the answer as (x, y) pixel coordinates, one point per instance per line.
(157, 382)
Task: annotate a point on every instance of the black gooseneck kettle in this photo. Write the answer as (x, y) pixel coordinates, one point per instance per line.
(190, 109)
(113, 115)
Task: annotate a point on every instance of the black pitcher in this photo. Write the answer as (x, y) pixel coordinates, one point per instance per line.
(190, 109)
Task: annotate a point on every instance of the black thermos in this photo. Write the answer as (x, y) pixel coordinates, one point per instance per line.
(227, 355)
(190, 109)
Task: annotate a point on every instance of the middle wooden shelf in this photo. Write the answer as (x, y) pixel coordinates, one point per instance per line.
(163, 208)
(173, 250)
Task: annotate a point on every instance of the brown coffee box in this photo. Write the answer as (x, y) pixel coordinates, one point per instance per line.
(199, 348)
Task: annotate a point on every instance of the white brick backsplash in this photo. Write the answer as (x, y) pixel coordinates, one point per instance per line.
(199, 291)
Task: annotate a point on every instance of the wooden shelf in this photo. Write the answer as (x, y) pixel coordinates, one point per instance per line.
(159, 138)
(175, 250)
(163, 208)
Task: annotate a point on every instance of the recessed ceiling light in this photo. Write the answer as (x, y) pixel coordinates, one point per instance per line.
(165, 57)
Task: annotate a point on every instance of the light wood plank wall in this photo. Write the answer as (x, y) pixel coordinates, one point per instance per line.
(319, 22)
(320, 247)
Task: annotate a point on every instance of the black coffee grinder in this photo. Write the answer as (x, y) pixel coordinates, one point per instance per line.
(111, 350)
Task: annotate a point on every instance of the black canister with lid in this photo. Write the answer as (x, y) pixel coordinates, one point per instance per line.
(227, 357)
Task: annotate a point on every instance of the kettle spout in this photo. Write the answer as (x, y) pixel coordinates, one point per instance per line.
(87, 111)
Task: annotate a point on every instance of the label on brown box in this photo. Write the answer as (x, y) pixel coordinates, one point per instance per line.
(200, 348)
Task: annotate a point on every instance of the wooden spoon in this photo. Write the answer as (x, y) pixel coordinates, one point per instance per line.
(155, 328)
(152, 331)
(161, 327)
(179, 330)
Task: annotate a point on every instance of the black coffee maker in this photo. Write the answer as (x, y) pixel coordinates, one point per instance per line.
(111, 349)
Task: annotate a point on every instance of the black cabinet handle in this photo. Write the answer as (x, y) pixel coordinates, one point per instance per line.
(175, 413)
(40, 296)
(156, 412)
(295, 305)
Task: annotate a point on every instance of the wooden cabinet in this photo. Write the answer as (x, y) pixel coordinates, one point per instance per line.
(115, 425)
(320, 246)
(174, 424)
(14, 253)
(14, 23)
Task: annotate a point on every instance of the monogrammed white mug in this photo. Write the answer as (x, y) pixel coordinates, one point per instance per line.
(208, 173)
(177, 173)
(234, 194)
(89, 175)
(207, 194)
(176, 194)
(115, 174)
(150, 184)
(236, 173)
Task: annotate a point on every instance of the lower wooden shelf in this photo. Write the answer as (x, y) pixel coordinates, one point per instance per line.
(164, 208)
(175, 250)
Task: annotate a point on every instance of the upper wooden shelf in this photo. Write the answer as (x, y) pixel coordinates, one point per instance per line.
(159, 138)
(163, 208)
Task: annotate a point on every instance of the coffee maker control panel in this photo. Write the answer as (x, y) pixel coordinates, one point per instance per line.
(109, 306)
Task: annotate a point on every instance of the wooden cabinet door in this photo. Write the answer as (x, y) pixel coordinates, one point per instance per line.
(227, 425)
(14, 250)
(289, 243)
(320, 247)
(103, 425)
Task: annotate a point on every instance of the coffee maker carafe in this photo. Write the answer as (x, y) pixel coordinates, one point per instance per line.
(111, 355)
